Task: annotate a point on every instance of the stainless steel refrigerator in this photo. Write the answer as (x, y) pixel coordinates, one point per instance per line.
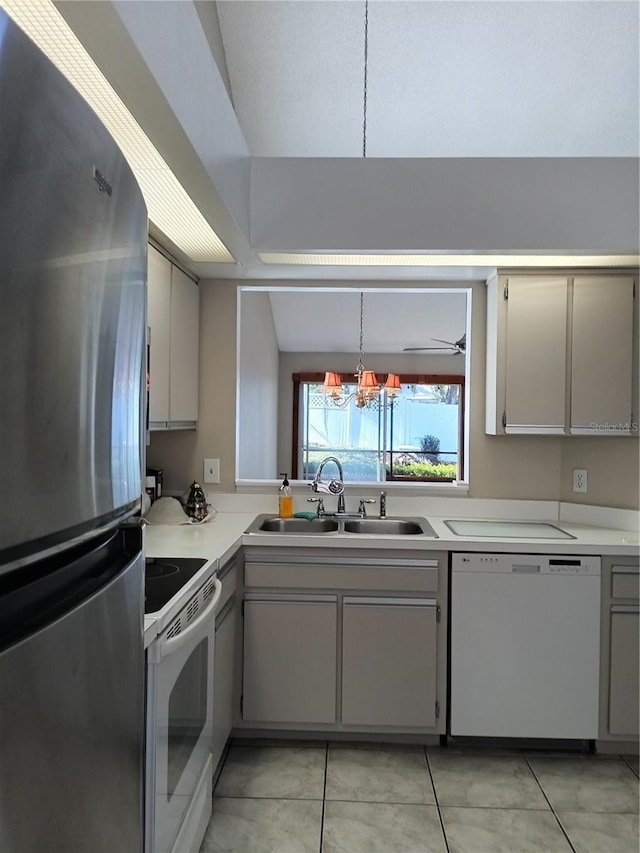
(73, 235)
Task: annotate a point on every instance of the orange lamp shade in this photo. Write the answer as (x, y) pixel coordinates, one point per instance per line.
(368, 382)
(333, 384)
(392, 385)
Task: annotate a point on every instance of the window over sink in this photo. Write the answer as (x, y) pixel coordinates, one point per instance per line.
(417, 436)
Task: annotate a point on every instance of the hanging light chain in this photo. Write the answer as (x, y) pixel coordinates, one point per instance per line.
(364, 98)
(361, 362)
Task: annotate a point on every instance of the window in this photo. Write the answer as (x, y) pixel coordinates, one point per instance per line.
(416, 437)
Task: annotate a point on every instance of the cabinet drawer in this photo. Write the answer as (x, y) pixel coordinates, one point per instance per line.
(419, 578)
(625, 582)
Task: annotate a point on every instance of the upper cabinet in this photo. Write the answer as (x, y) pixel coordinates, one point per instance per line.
(560, 354)
(601, 354)
(174, 322)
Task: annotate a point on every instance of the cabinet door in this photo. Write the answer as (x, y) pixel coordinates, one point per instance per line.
(158, 319)
(536, 350)
(185, 320)
(290, 659)
(601, 355)
(389, 662)
(623, 671)
(223, 682)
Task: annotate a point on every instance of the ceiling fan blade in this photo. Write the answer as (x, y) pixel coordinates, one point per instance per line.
(455, 347)
(459, 345)
(429, 349)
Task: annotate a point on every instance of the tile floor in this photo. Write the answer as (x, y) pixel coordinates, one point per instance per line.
(368, 798)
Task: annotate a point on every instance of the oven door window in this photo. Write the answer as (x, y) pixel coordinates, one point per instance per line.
(187, 714)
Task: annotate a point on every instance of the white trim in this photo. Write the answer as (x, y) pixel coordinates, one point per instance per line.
(388, 601)
(598, 431)
(423, 487)
(531, 429)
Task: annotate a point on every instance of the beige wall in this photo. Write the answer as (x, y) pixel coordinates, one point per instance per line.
(257, 432)
(531, 467)
(613, 470)
(181, 454)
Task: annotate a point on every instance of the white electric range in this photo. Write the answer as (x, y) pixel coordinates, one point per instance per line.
(182, 594)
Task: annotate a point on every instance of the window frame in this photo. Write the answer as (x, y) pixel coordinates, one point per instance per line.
(405, 379)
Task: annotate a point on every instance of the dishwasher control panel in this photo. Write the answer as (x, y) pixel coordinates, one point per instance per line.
(543, 564)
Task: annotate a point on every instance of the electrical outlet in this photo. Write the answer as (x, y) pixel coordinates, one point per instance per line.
(212, 470)
(580, 480)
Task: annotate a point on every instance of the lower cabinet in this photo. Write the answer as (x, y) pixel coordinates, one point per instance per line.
(344, 642)
(389, 661)
(290, 658)
(223, 680)
(623, 671)
(225, 663)
(619, 644)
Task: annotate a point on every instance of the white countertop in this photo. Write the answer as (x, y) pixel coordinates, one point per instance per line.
(588, 540)
(219, 538)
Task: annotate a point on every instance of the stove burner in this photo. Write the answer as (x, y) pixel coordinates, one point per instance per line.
(164, 577)
(155, 571)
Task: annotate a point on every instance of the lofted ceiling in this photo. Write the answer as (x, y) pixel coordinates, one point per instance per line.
(444, 79)
(329, 321)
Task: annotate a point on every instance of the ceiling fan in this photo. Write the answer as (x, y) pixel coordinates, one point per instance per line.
(453, 347)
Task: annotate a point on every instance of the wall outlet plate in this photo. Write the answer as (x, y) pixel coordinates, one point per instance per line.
(211, 471)
(580, 480)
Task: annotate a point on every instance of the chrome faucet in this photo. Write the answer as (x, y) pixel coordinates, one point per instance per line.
(320, 513)
(362, 506)
(333, 487)
(383, 504)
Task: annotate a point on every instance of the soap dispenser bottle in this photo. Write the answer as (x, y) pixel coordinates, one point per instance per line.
(285, 499)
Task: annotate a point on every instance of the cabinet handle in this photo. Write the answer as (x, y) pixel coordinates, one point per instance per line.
(286, 599)
(391, 602)
(376, 562)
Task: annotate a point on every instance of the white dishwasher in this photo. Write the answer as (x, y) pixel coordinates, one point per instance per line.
(525, 646)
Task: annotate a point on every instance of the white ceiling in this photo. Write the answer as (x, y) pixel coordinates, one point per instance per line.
(445, 79)
(329, 321)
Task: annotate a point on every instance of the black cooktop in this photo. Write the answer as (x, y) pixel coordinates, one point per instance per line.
(164, 576)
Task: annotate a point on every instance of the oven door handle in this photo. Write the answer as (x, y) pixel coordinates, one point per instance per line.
(168, 647)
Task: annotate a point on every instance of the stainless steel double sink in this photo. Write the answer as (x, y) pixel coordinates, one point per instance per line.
(332, 524)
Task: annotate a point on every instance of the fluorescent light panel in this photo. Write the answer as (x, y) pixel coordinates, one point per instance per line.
(409, 260)
(170, 207)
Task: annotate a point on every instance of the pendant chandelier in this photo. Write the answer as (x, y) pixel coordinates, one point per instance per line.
(368, 388)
